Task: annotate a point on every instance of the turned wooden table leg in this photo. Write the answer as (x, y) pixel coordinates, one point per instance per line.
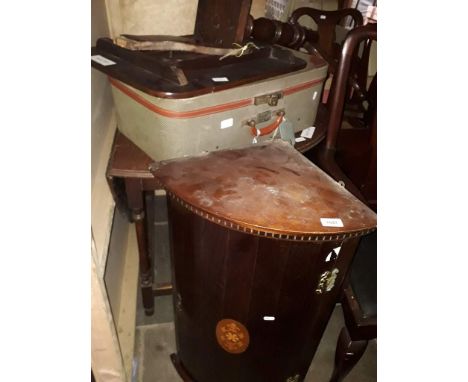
(136, 203)
(348, 353)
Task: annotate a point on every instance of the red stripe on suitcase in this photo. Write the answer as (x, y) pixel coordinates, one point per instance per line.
(200, 112)
(305, 85)
(178, 114)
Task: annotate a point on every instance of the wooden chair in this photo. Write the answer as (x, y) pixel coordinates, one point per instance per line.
(350, 155)
(359, 146)
(324, 42)
(326, 21)
(359, 303)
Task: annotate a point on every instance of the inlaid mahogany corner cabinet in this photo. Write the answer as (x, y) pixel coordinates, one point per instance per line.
(261, 241)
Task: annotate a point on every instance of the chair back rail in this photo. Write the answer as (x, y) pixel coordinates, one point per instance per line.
(339, 85)
(326, 25)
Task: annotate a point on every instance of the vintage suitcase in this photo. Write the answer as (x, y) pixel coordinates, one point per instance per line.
(174, 104)
(261, 241)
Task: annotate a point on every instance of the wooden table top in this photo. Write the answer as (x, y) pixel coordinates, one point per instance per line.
(266, 189)
(127, 160)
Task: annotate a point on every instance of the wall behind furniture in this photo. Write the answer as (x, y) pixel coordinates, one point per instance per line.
(115, 264)
(174, 17)
(103, 124)
(109, 230)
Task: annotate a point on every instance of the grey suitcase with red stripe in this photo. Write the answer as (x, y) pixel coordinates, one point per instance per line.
(229, 103)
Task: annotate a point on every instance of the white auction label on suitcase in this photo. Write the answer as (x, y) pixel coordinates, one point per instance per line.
(331, 222)
(220, 79)
(225, 123)
(102, 60)
(307, 133)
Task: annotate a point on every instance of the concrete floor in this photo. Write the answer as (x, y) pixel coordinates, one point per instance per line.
(154, 339)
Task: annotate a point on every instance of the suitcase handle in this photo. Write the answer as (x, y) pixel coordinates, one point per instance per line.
(267, 129)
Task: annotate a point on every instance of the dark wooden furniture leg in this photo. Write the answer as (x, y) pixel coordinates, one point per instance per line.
(359, 303)
(348, 353)
(136, 203)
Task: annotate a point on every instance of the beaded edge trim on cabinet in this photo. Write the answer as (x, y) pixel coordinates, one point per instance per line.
(272, 235)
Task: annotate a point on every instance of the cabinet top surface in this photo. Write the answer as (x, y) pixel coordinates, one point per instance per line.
(269, 188)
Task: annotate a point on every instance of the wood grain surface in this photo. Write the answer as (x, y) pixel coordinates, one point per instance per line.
(220, 274)
(269, 188)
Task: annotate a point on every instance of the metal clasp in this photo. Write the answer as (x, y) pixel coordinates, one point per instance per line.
(327, 281)
(178, 303)
(271, 99)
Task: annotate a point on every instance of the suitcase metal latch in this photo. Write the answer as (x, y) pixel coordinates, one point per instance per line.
(270, 99)
(327, 281)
